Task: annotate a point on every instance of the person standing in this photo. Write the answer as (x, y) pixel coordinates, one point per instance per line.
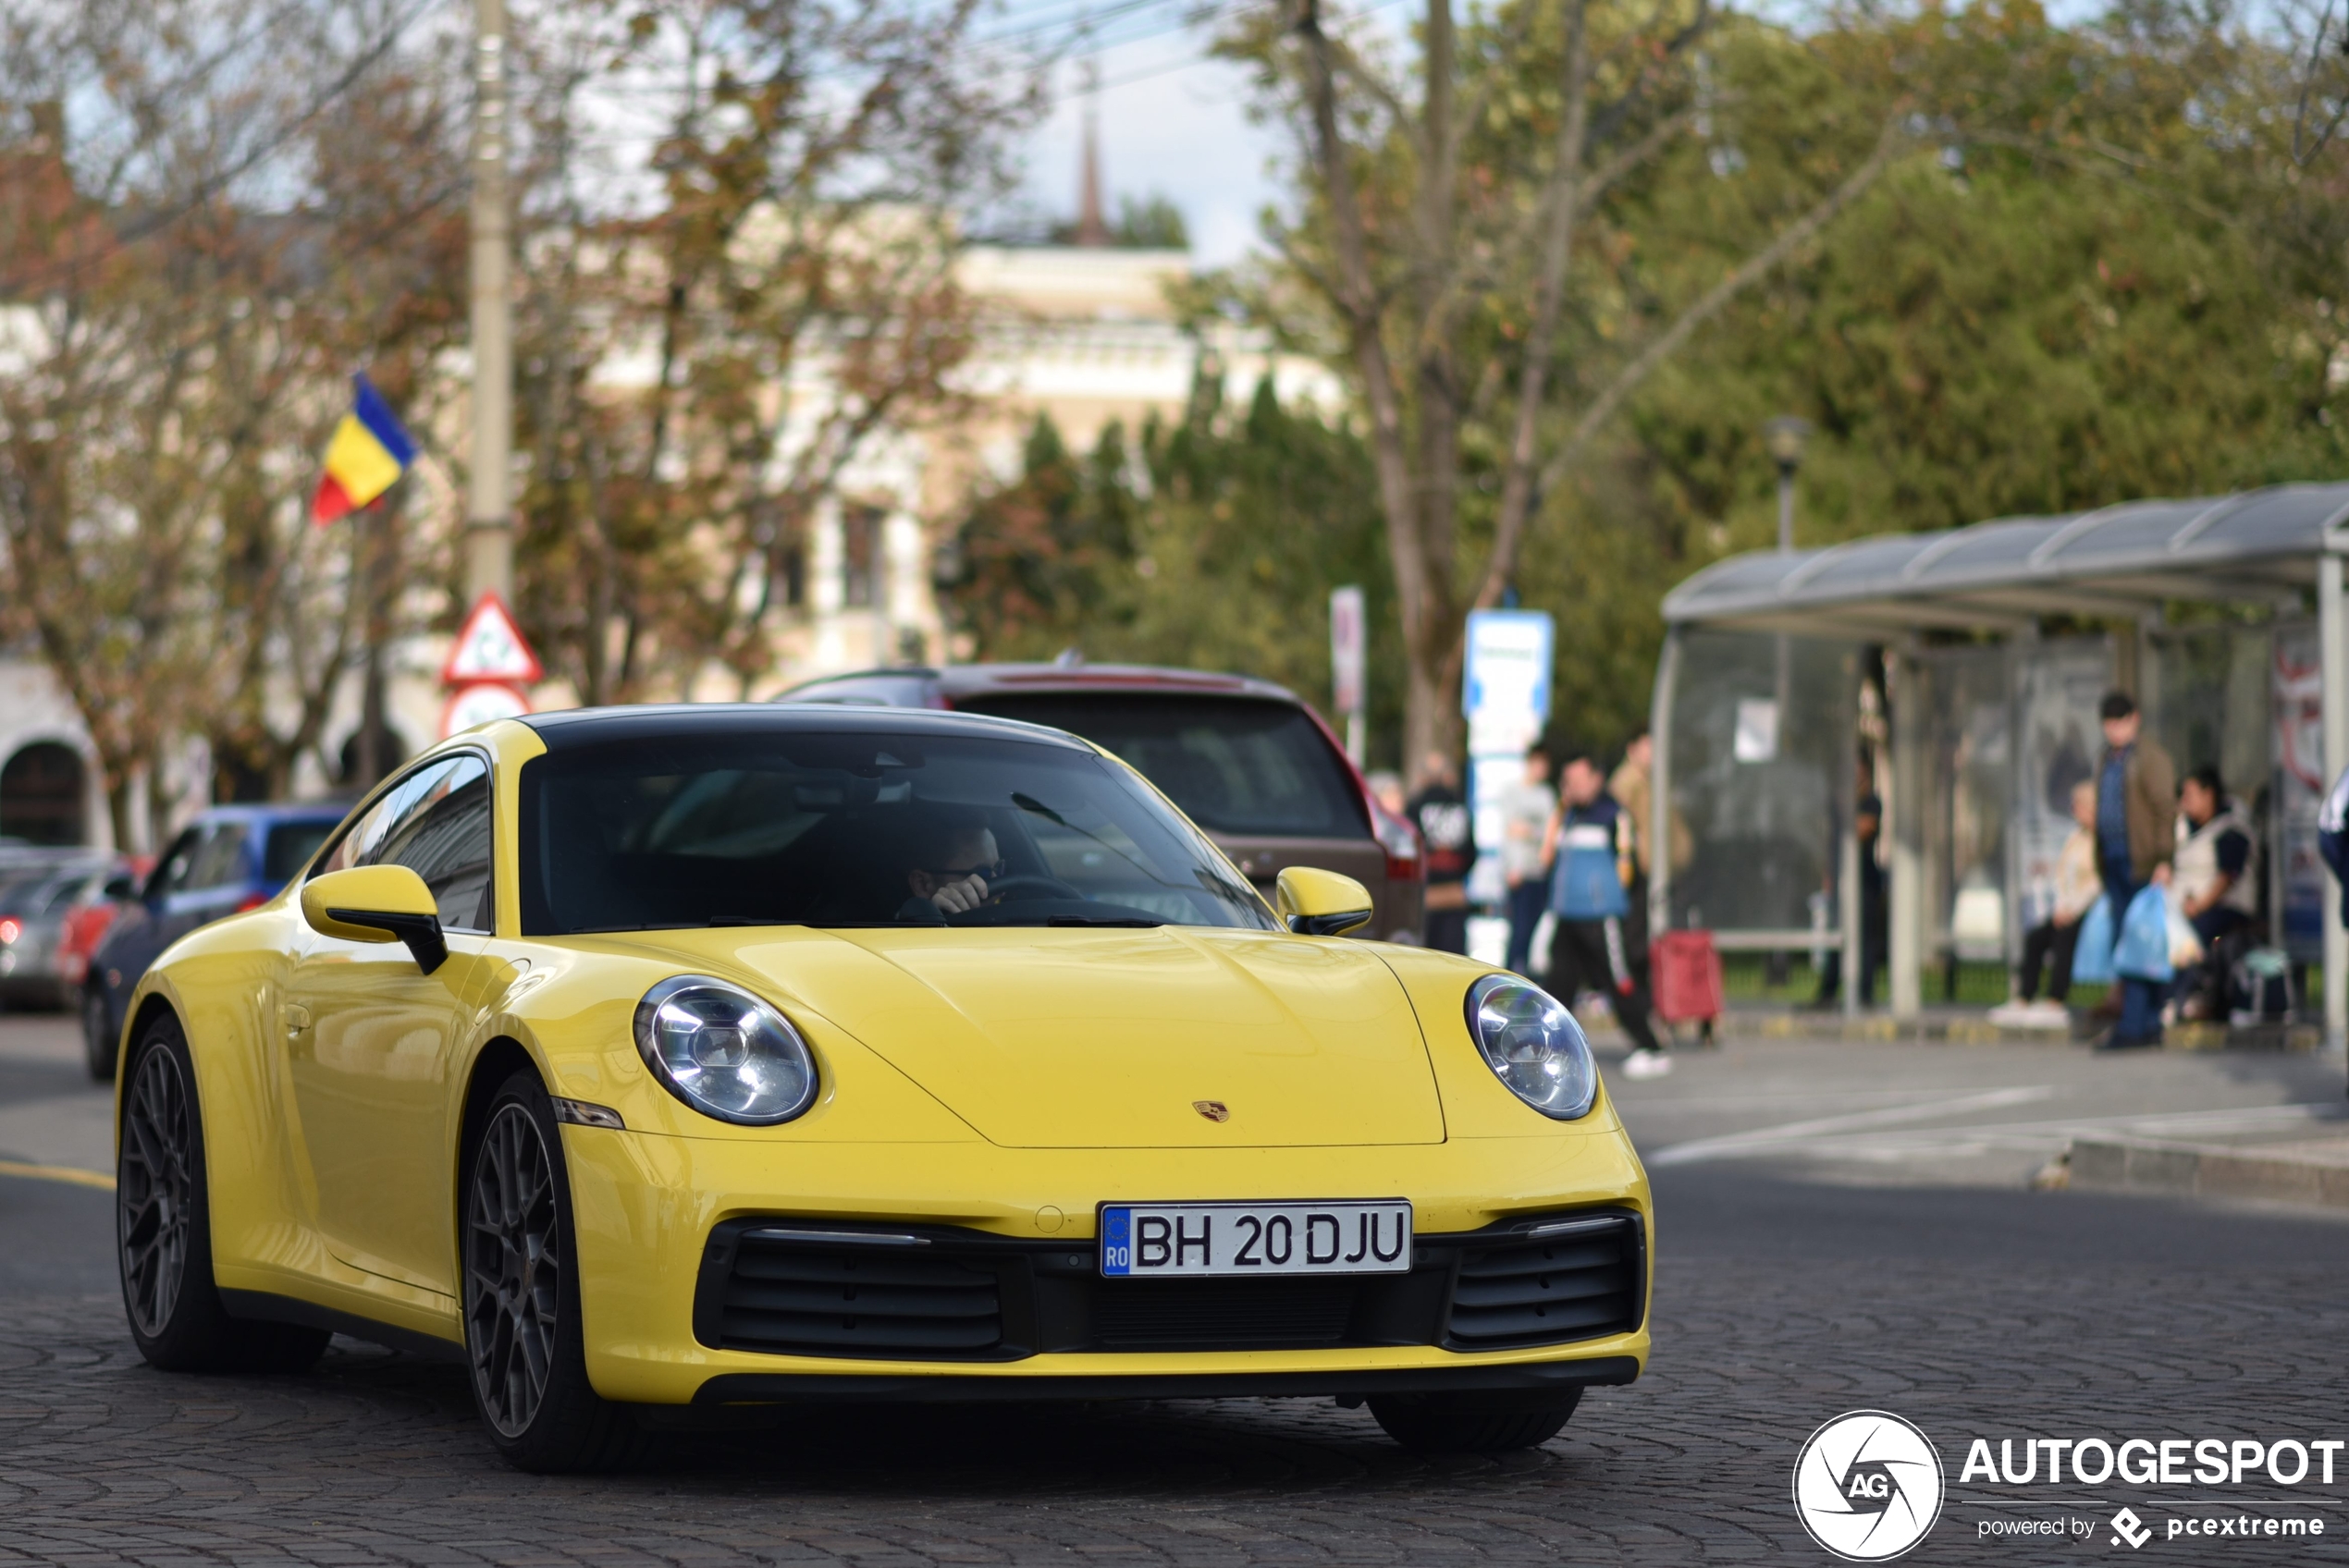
(2217, 892)
(1875, 916)
(1447, 840)
(1525, 810)
(1589, 851)
(2137, 834)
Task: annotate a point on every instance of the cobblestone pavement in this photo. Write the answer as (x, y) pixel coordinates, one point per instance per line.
(1790, 1289)
(1766, 1325)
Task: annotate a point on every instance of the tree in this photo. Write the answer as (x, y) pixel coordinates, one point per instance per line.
(1456, 230)
(792, 292)
(1194, 546)
(183, 345)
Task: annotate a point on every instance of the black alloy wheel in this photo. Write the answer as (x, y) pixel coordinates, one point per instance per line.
(522, 1297)
(155, 1192)
(162, 1229)
(98, 1036)
(513, 1271)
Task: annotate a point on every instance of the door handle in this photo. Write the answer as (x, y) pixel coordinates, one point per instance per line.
(295, 1017)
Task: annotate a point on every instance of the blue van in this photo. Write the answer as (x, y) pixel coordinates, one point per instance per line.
(228, 860)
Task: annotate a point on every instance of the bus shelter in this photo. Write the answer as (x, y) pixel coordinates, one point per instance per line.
(1955, 676)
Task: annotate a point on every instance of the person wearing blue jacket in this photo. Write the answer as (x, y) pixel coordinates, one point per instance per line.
(1589, 851)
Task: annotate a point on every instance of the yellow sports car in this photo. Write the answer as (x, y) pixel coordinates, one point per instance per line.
(653, 1060)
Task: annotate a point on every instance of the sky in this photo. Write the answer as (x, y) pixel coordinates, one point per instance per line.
(1172, 124)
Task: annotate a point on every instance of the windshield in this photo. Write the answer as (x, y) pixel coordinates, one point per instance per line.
(858, 829)
(1235, 765)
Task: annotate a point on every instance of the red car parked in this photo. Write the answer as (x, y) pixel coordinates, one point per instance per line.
(1245, 759)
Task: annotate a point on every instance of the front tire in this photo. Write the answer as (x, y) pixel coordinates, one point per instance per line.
(523, 1333)
(1475, 1422)
(100, 1040)
(162, 1229)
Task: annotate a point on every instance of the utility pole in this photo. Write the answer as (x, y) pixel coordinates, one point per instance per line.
(489, 529)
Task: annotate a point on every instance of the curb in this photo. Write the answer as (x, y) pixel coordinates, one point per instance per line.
(1882, 1030)
(2152, 1164)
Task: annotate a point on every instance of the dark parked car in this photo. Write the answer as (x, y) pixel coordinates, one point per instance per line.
(229, 859)
(1245, 759)
(34, 910)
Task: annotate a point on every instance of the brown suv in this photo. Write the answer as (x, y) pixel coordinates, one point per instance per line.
(1245, 759)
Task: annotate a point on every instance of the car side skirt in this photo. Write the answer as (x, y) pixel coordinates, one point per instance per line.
(262, 1306)
(761, 1388)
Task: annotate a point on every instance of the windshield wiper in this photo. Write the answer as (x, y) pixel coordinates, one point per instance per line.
(1128, 920)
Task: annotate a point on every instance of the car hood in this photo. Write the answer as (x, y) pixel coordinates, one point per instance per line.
(1060, 1038)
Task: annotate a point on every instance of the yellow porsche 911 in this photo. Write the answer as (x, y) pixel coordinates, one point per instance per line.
(654, 1060)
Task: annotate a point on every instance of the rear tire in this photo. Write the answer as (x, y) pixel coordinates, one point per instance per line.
(523, 1332)
(162, 1229)
(100, 1040)
(1475, 1422)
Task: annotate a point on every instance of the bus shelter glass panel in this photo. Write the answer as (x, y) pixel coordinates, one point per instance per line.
(2058, 744)
(1970, 777)
(1762, 763)
(2208, 703)
(2299, 884)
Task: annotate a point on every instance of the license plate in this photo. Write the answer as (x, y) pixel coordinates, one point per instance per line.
(1169, 1241)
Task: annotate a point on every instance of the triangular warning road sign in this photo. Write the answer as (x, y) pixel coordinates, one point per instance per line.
(490, 647)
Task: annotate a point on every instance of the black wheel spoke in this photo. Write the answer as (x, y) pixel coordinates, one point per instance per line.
(513, 1277)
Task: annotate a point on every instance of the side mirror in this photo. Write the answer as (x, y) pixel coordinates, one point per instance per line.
(378, 903)
(1321, 903)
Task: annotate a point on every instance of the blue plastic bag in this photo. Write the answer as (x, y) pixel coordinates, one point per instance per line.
(2143, 953)
(2092, 955)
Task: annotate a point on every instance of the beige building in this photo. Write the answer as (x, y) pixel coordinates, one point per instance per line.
(1084, 334)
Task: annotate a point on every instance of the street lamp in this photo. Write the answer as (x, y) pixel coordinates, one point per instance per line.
(1784, 436)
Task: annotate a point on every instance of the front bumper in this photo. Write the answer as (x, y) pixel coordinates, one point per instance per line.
(648, 1209)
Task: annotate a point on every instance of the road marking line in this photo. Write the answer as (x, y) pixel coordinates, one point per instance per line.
(66, 1173)
(1762, 1138)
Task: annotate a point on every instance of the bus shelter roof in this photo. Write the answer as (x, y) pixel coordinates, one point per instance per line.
(2118, 562)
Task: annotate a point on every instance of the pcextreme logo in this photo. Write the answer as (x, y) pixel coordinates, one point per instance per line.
(1867, 1486)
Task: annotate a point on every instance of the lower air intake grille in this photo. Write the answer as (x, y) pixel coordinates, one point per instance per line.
(794, 1297)
(1575, 1285)
(1221, 1315)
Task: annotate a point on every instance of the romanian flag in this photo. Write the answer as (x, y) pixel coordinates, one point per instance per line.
(368, 453)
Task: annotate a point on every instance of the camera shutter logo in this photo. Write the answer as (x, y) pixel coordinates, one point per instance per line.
(1867, 1486)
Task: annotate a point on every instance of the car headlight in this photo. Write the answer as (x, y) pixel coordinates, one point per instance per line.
(724, 1052)
(1534, 1045)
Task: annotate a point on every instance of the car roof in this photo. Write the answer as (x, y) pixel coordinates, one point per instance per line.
(587, 727)
(966, 681)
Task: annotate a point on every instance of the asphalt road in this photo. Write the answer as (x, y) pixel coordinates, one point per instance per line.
(1840, 1227)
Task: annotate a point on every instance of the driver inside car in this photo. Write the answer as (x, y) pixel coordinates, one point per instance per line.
(951, 875)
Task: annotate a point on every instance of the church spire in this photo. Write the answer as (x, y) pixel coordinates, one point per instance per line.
(1092, 229)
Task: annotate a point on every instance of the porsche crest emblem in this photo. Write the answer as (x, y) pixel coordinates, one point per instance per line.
(1214, 1111)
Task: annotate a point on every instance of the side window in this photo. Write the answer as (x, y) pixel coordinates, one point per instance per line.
(220, 862)
(436, 822)
(170, 874)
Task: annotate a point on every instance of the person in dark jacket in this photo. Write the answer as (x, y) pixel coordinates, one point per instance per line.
(1448, 835)
(2137, 834)
(1589, 851)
